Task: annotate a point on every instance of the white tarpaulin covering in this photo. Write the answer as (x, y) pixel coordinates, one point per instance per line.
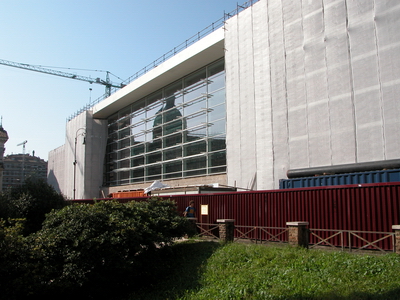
(310, 83)
(155, 185)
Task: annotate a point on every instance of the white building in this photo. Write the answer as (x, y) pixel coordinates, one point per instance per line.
(281, 85)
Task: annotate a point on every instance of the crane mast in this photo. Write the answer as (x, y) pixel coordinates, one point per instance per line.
(23, 161)
(107, 83)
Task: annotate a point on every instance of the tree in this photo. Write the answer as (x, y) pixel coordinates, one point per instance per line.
(32, 200)
(16, 265)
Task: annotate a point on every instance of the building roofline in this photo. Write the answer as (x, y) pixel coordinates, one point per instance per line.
(203, 52)
(194, 39)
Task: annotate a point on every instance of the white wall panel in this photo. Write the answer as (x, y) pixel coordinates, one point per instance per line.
(247, 106)
(391, 112)
(370, 144)
(56, 174)
(387, 22)
(96, 143)
(310, 7)
(368, 137)
(89, 156)
(75, 130)
(389, 63)
(333, 81)
(320, 150)
(335, 16)
(262, 97)
(296, 90)
(233, 120)
(298, 148)
(300, 126)
(359, 9)
(317, 85)
(342, 129)
(277, 41)
(366, 82)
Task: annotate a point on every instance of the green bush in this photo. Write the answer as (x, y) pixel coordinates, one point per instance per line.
(32, 201)
(16, 265)
(98, 249)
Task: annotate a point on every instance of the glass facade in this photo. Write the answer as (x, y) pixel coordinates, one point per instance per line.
(176, 132)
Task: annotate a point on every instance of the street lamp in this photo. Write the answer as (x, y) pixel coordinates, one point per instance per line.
(77, 134)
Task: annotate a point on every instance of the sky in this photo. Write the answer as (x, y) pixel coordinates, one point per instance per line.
(87, 38)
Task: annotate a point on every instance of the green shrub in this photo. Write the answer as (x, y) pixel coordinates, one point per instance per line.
(32, 201)
(98, 249)
(16, 265)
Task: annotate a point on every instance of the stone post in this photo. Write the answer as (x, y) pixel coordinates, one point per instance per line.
(396, 245)
(298, 233)
(226, 229)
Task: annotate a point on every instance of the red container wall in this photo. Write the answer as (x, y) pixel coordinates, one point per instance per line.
(367, 207)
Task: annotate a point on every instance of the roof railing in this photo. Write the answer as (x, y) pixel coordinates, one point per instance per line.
(195, 38)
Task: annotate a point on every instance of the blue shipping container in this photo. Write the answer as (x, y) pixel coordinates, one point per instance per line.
(342, 179)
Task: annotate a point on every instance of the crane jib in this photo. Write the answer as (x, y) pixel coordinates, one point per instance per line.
(106, 82)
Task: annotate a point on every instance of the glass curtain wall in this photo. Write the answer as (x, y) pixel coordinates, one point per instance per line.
(176, 132)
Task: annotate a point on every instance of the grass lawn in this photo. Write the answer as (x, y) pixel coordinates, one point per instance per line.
(209, 270)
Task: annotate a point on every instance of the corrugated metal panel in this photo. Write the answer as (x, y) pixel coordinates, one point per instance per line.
(367, 207)
(342, 179)
(370, 207)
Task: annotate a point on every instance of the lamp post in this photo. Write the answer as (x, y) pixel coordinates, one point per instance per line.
(77, 134)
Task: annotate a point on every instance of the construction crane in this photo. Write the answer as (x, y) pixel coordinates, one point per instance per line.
(107, 83)
(23, 161)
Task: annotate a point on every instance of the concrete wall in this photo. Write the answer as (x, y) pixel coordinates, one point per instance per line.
(87, 175)
(56, 169)
(310, 83)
